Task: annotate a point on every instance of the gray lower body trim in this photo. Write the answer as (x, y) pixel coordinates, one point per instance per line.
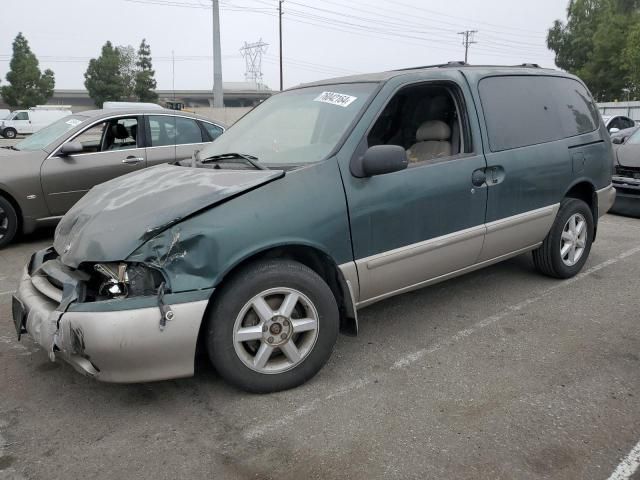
(519, 231)
(447, 276)
(406, 266)
(606, 198)
(415, 266)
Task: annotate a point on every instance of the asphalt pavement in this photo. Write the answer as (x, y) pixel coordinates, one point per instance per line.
(501, 374)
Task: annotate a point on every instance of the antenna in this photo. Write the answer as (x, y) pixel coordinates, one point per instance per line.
(252, 53)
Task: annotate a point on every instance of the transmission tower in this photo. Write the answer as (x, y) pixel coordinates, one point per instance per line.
(252, 53)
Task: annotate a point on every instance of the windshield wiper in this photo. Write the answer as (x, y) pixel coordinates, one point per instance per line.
(250, 159)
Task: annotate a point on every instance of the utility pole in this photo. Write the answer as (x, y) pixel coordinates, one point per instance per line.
(280, 28)
(218, 101)
(467, 40)
(173, 74)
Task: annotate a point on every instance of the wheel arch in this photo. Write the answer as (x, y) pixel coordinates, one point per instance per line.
(14, 203)
(317, 260)
(585, 190)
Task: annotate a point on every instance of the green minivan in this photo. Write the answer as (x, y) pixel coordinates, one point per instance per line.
(324, 199)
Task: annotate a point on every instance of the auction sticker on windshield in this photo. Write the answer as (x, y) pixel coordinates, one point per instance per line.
(334, 98)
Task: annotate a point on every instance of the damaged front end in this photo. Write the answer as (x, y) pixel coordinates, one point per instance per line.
(110, 320)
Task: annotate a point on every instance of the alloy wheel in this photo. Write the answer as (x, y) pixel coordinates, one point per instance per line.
(573, 240)
(4, 223)
(275, 330)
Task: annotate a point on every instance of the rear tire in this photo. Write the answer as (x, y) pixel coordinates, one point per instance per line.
(9, 133)
(567, 245)
(272, 326)
(8, 222)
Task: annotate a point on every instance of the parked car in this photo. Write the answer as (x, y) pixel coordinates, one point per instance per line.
(4, 113)
(322, 200)
(615, 123)
(622, 136)
(45, 174)
(23, 122)
(626, 178)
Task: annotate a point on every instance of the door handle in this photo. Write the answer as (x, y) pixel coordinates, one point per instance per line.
(132, 160)
(478, 178)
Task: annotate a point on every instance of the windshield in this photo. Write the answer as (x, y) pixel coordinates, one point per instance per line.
(295, 127)
(635, 138)
(49, 134)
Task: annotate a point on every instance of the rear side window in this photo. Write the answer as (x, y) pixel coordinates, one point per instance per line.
(169, 130)
(528, 110)
(214, 131)
(187, 131)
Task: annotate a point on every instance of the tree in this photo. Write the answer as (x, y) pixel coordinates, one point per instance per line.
(594, 44)
(631, 58)
(145, 81)
(103, 78)
(27, 85)
(128, 69)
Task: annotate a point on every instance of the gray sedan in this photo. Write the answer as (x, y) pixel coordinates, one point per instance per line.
(42, 176)
(626, 178)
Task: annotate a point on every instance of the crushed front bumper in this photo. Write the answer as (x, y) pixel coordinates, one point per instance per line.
(628, 196)
(113, 340)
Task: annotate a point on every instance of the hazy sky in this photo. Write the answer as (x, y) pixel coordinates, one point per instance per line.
(321, 38)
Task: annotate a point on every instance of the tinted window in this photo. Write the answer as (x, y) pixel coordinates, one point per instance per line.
(21, 116)
(213, 130)
(578, 114)
(168, 130)
(187, 131)
(162, 129)
(628, 123)
(528, 110)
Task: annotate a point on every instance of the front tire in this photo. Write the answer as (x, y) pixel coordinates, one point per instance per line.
(272, 326)
(8, 222)
(9, 133)
(566, 248)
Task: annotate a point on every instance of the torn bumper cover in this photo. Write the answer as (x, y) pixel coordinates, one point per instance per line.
(118, 340)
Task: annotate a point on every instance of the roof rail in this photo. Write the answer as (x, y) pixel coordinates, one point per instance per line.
(455, 63)
(459, 63)
(529, 65)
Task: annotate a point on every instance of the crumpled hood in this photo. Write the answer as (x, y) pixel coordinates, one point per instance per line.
(116, 217)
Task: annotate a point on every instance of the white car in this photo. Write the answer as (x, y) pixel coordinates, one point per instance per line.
(615, 123)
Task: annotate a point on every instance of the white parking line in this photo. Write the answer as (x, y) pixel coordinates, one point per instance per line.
(628, 466)
(408, 360)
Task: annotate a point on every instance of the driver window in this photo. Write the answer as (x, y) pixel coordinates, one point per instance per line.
(113, 134)
(91, 138)
(21, 116)
(425, 121)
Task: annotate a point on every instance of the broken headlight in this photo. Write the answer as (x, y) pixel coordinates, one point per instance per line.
(123, 280)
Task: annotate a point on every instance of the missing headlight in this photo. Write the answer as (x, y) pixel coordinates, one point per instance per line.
(123, 280)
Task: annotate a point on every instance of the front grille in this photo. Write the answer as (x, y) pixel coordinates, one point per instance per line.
(629, 172)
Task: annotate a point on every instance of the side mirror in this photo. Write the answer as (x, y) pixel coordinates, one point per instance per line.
(614, 130)
(618, 140)
(378, 160)
(71, 148)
